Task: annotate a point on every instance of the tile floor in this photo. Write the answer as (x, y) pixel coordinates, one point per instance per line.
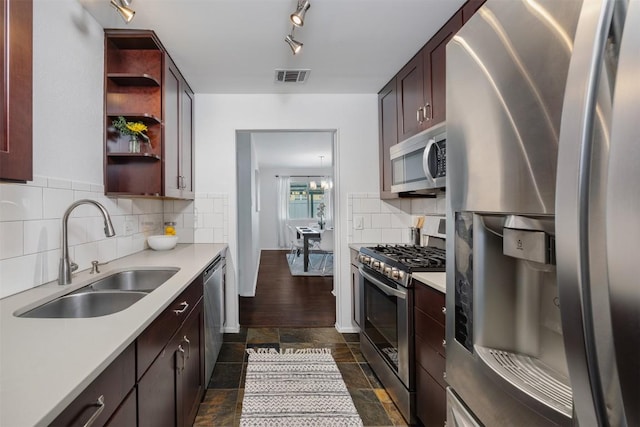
(222, 404)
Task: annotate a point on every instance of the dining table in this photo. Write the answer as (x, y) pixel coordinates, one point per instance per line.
(306, 234)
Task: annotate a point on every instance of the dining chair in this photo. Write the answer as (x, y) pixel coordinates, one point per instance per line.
(325, 246)
(296, 245)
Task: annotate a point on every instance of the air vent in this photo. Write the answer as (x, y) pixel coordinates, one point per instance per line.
(292, 76)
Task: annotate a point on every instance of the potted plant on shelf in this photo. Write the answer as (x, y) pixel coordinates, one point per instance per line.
(135, 130)
(320, 212)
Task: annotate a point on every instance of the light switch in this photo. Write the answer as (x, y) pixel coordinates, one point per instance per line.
(358, 222)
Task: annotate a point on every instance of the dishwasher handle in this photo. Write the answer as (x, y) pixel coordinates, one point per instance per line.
(215, 265)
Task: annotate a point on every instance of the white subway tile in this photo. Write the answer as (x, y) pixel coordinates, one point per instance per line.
(86, 253)
(11, 239)
(391, 235)
(97, 188)
(400, 221)
(204, 205)
(108, 249)
(357, 236)
(39, 181)
(218, 205)
(81, 186)
(125, 206)
(183, 206)
(203, 235)
(371, 235)
(17, 274)
(138, 242)
(20, 202)
(381, 220)
(55, 202)
(77, 231)
(125, 246)
(59, 183)
(188, 221)
(185, 235)
(371, 205)
(218, 235)
(42, 235)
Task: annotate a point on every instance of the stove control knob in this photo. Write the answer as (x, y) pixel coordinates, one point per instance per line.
(376, 265)
(388, 271)
(395, 274)
(400, 275)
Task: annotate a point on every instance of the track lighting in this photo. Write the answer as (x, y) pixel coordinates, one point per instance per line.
(125, 12)
(297, 18)
(295, 45)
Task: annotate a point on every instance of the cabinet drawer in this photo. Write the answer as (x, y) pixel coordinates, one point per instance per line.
(430, 331)
(151, 342)
(431, 361)
(430, 301)
(431, 400)
(112, 384)
(126, 415)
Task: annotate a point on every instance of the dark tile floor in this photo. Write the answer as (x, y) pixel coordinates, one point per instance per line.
(222, 404)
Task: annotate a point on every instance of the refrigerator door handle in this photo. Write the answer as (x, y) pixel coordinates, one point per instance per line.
(572, 202)
(622, 226)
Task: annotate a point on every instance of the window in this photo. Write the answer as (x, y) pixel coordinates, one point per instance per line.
(303, 200)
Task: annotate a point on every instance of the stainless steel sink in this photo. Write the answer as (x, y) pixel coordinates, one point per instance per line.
(132, 280)
(87, 304)
(106, 295)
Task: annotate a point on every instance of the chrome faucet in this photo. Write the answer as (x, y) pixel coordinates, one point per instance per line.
(66, 265)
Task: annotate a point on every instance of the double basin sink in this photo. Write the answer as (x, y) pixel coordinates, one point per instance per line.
(107, 295)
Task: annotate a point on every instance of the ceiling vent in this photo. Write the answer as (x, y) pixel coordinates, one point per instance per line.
(292, 76)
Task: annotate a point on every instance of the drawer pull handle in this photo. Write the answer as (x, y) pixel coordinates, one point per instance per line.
(188, 346)
(444, 310)
(184, 305)
(100, 404)
(181, 350)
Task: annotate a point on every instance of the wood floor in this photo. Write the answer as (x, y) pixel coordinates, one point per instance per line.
(283, 300)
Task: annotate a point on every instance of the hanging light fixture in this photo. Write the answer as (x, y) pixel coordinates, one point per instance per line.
(325, 182)
(297, 18)
(295, 45)
(125, 12)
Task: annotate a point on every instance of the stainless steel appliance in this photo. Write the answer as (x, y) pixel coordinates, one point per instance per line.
(418, 164)
(214, 297)
(542, 110)
(386, 318)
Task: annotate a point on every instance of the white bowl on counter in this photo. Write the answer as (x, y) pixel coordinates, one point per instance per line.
(162, 242)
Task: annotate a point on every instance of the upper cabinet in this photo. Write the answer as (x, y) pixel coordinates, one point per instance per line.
(16, 147)
(421, 84)
(388, 134)
(144, 86)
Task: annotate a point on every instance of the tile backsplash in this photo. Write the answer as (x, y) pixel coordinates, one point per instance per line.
(372, 220)
(31, 225)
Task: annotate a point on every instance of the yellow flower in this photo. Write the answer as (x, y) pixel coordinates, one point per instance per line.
(136, 127)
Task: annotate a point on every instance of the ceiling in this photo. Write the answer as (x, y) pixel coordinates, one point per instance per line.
(235, 46)
(293, 150)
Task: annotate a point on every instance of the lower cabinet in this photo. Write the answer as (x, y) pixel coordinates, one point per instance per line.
(170, 391)
(430, 348)
(158, 380)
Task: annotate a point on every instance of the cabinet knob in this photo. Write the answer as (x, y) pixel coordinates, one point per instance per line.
(444, 310)
(184, 305)
(430, 115)
(188, 346)
(181, 350)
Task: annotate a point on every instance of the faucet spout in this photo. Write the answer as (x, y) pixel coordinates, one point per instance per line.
(66, 265)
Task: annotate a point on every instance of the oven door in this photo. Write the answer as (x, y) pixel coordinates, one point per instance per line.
(386, 320)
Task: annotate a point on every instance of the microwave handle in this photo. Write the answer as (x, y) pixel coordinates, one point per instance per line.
(425, 159)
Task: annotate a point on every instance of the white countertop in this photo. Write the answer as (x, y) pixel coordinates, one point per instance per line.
(46, 363)
(437, 281)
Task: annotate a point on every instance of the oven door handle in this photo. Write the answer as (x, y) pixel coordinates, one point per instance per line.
(388, 290)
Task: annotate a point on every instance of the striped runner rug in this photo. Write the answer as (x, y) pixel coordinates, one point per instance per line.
(295, 388)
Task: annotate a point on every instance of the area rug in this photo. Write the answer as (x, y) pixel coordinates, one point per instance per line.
(314, 260)
(296, 388)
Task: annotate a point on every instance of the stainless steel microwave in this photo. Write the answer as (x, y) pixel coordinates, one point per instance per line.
(418, 164)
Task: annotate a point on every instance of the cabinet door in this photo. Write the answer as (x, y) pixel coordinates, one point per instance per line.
(410, 98)
(190, 382)
(355, 294)
(469, 8)
(388, 134)
(435, 70)
(186, 143)
(157, 393)
(171, 130)
(16, 147)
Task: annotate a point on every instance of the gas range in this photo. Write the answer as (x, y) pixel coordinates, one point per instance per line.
(397, 262)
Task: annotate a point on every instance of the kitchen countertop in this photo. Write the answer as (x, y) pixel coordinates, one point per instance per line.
(437, 281)
(46, 363)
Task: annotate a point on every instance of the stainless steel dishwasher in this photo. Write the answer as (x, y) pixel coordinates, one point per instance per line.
(214, 297)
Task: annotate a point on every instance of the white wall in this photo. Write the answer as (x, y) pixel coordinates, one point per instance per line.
(356, 161)
(269, 201)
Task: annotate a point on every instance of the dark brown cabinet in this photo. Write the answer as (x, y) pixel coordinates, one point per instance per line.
(16, 145)
(421, 83)
(469, 8)
(430, 349)
(143, 85)
(104, 396)
(388, 135)
(170, 390)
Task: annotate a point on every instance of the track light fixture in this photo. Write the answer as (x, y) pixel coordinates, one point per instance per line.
(125, 12)
(295, 45)
(297, 18)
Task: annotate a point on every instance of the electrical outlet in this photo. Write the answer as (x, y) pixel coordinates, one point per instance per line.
(128, 227)
(358, 222)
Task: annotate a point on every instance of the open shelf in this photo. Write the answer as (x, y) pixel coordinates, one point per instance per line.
(132, 79)
(135, 156)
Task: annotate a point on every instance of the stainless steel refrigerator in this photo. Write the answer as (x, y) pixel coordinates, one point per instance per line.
(543, 189)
